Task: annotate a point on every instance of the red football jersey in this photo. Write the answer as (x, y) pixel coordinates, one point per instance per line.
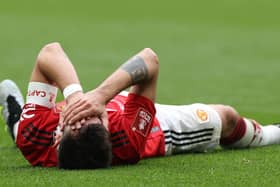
(135, 133)
(35, 135)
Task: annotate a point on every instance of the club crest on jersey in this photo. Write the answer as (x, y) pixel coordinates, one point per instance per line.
(202, 116)
(143, 122)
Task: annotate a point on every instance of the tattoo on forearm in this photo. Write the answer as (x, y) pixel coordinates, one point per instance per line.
(136, 68)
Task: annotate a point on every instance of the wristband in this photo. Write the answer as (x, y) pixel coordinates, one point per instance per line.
(70, 89)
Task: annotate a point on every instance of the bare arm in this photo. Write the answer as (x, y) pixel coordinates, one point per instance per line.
(54, 67)
(140, 72)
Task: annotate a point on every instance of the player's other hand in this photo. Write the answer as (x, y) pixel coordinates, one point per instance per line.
(88, 105)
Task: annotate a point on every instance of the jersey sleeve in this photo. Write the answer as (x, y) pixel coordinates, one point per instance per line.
(35, 135)
(135, 123)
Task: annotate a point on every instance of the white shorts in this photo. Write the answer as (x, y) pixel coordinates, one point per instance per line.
(189, 128)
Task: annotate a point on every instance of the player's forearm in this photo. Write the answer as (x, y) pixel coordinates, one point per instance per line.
(136, 70)
(140, 71)
(56, 67)
(115, 83)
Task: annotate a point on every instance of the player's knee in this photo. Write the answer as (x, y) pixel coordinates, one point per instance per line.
(229, 119)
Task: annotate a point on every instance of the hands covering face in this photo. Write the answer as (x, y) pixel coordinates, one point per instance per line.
(82, 107)
(76, 124)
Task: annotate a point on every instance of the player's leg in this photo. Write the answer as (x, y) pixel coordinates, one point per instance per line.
(12, 102)
(189, 128)
(241, 132)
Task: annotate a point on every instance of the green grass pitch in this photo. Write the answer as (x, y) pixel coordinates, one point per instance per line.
(215, 51)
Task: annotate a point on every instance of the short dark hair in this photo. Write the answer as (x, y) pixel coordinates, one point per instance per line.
(90, 149)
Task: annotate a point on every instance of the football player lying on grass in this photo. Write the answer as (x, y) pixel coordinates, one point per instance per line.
(106, 126)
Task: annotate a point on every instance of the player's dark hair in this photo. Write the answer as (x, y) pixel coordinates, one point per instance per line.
(90, 149)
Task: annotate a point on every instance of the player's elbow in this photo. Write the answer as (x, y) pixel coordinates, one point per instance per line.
(48, 51)
(151, 55)
(152, 61)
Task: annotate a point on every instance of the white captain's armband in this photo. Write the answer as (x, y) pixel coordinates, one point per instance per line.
(72, 88)
(41, 94)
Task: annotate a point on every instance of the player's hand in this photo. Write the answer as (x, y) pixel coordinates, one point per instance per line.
(58, 132)
(88, 105)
